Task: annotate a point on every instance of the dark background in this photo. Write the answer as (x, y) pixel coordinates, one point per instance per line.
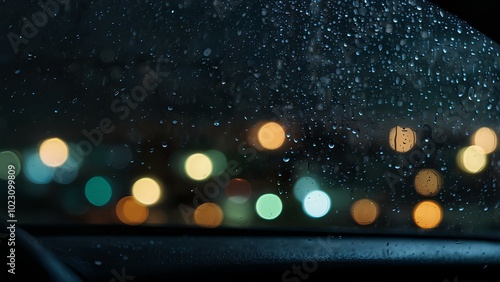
(482, 14)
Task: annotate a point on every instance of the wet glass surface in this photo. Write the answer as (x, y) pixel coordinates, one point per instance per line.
(365, 115)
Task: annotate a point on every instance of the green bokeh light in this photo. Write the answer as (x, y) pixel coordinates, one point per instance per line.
(98, 191)
(269, 206)
(9, 158)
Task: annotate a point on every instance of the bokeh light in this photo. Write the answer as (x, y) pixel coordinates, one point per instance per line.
(131, 212)
(198, 166)
(208, 215)
(54, 152)
(219, 161)
(238, 190)
(364, 211)
(68, 172)
(65, 174)
(35, 170)
(428, 182)
(427, 214)
(237, 214)
(303, 186)
(147, 191)
(316, 204)
(9, 158)
(472, 159)
(269, 206)
(271, 136)
(485, 138)
(98, 191)
(402, 139)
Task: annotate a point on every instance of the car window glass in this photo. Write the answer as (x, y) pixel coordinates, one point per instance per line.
(364, 115)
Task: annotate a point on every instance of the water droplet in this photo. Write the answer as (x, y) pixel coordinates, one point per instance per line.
(207, 52)
(286, 159)
(164, 144)
(98, 262)
(331, 145)
(216, 124)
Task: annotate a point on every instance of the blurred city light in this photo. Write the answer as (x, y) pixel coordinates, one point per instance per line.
(271, 135)
(147, 191)
(35, 169)
(428, 182)
(131, 212)
(269, 206)
(208, 215)
(365, 211)
(316, 204)
(472, 159)
(9, 158)
(54, 152)
(198, 166)
(98, 191)
(427, 214)
(219, 161)
(303, 186)
(485, 138)
(237, 214)
(238, 190)
(402, 139)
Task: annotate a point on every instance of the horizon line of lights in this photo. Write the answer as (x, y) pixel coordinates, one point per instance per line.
(53, 154)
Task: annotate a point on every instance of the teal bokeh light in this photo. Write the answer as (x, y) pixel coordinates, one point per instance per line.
(98, 191)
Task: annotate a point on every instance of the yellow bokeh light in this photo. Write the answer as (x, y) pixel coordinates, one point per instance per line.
(208, 215)
(402, 139)
(53, 152)
(472, 159)
(485, 138)
(271, 135)
(131, 212)
(146, 191)
(427, 214)
(428, 182)
(198, 166)
(364, 211)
